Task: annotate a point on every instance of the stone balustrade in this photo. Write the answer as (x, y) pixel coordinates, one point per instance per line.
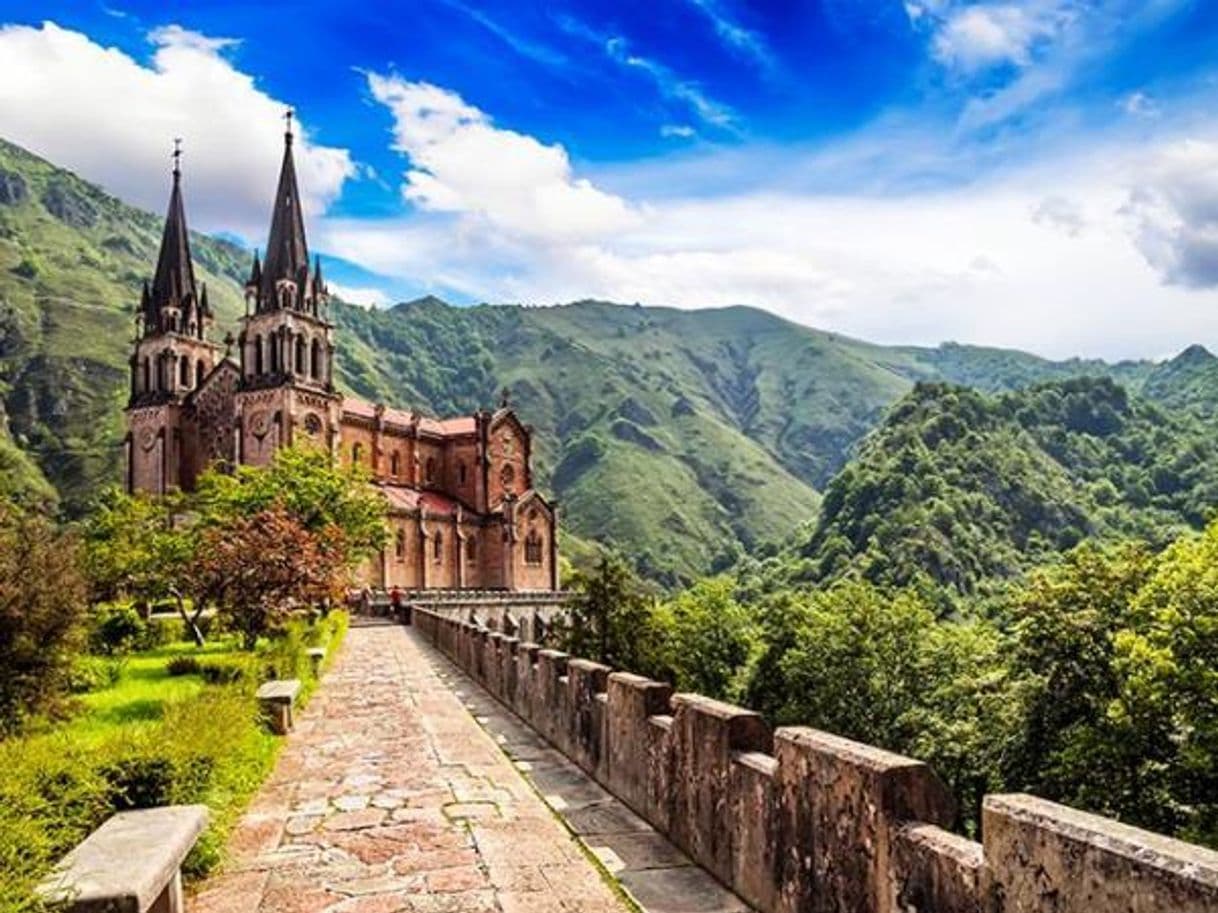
(801, 821)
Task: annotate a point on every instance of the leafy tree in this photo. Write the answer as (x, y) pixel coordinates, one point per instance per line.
(307, 484)
(707, 637)
(613, 619)
(42, 601)
(261, 568)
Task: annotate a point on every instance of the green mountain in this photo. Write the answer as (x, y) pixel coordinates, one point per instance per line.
(962, 488)
(683, 437)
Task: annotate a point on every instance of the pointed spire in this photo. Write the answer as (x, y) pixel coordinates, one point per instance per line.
(174, 280)
(256, 273)
(287, 252)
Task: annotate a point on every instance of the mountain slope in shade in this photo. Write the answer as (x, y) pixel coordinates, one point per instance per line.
(682, 437)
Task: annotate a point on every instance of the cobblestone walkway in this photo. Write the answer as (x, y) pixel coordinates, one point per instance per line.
(389, 797)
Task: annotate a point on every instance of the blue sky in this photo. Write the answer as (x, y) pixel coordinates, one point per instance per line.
(1033, 173)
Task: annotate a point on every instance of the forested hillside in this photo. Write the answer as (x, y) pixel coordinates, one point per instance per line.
(684, 438)
(961, 489)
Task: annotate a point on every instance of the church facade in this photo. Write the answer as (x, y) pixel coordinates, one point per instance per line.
(463, 512)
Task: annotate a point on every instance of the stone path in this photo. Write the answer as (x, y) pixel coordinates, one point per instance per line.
(389, 797)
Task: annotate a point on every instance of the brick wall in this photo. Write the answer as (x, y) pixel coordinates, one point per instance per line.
(801, 821)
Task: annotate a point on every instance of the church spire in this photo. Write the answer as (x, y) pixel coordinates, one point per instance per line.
(287, 252)
(173, 283)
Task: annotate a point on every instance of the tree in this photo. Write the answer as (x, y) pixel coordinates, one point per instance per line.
(308, 485)
(706, 638)
(259, 569)
(42, 600)
(612, 620)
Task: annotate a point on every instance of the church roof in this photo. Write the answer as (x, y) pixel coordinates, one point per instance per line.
(173, 282)
(404, 498)
(450, 427)
(287, 251)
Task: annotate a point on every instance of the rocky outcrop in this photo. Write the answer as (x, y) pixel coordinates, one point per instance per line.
(13, 189)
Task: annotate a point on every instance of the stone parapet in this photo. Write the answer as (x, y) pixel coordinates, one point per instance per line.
(802, 821)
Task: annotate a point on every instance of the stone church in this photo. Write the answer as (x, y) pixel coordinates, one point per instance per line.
(463, 512)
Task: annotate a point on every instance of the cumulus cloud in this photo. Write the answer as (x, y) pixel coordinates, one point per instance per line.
(460, 162)
(368, 297)
(972, 38)
(1174, 208)
(1060, 213)
(59, 87)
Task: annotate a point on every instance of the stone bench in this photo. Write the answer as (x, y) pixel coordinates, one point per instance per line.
(131, 864)
(317, 656)
(276, 700)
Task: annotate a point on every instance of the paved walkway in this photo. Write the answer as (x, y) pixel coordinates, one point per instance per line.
(390, 797)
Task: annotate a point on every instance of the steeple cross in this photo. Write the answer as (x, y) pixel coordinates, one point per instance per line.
(287, 119)
(177, 154)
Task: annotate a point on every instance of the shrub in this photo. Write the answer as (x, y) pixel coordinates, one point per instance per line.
(94, 673)
(41, 625)
(223, 672)
(183, 665)
(116, 628)
(159, 632)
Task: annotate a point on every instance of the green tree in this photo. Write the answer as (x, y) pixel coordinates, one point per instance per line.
(707, 637)
(42, 609)
(612, 619)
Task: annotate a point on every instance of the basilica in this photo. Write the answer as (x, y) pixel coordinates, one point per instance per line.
(463, 512)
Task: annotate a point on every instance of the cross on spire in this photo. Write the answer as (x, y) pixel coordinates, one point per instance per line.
(177, 156)
(287, 119)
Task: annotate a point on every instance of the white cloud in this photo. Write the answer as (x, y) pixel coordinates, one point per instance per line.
(460, 162)
(59, 87)
(363, 296)
(678, 131)
(972, 38)
(740, 40)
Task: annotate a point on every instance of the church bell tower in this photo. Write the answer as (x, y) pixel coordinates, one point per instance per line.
(171, 357)
(286, 394)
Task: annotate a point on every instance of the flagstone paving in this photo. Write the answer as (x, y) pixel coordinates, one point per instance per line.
(390, 797)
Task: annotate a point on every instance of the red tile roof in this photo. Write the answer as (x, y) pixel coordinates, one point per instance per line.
(409, 499)
(451, 427)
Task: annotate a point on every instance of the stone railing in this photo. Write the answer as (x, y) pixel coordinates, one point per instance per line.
(801, 821)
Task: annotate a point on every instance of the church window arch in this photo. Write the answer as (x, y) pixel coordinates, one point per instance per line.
(184, 371)
(471, 549)
(300, 355)
(274, 359)
(399, 545)
(200, 372)
(461, 473)
(258, 360)
(437, 547)
(430, 472)
(507, 476)
(315, 365)
(534, 545)
(395, 463)
(357, 452)
(147, 378)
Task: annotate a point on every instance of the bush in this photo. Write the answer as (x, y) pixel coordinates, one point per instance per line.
(116, 628)
(160, 632)
(183, 665)
(94, 673)
(224, 672)
(41, 624)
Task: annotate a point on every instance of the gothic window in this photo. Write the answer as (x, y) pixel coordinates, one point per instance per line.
(184, 371)
(533, 547)
(471, 549)
(399, 545)
(312, 424)
(461, 473)
(394, 463)
(315, 367)
(357, 453)
(200, 371)
(300, 355)
(147, 376)
(430, 475)
(160, 372)
(258, 355)
(274, 345)
(437, 547)
(507, 476)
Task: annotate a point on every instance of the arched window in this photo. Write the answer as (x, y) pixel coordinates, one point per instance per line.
(315, 367)
(507, 476)
(394, 463)
(258, 355)
(147, 375)
(461, 473)
(300, 355)
(184, 371)
(533, 547)
(273, 342)
(399, 545)
(430, 475)
(437, 547)
(471, 549)
(357, 453)
(200, 372)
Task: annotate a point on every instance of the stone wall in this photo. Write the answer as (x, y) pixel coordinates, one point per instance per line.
(801, 821)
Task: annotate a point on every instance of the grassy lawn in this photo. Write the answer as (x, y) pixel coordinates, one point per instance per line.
(147, 738)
